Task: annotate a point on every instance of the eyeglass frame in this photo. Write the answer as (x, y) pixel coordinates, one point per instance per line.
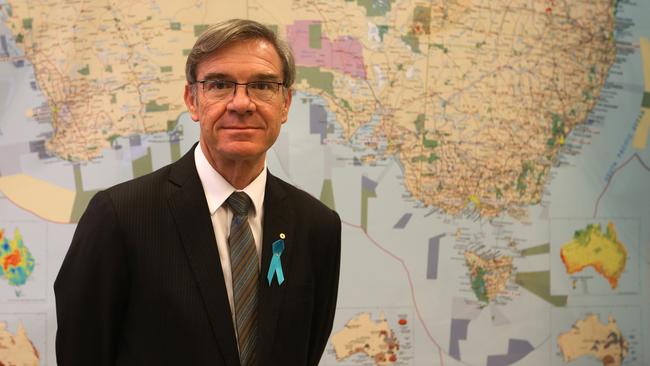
(280, 84)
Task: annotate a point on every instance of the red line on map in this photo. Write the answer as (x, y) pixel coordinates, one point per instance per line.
(408, 274)
(611, 177)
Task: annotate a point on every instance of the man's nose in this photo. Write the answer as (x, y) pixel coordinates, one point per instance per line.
(241, 101)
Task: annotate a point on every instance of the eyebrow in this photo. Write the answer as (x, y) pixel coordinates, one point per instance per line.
(256, 77)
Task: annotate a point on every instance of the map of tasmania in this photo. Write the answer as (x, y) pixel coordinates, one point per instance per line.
(489, 275)
(16, 261)
(475, 100)
(590, 337)
(592, 248)
(365, 336)
(17, 349)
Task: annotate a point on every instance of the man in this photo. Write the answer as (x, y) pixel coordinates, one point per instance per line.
(210, 260)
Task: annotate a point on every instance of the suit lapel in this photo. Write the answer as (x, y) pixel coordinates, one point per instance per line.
(277, 220)
(191, 214)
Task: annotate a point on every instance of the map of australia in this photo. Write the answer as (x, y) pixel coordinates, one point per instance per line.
(475, 100)
(17, 262)
(592, 248)
(590, 337)
(362, 335)
(17, 349)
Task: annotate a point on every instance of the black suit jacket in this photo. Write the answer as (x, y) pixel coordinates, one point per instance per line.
(142, 283)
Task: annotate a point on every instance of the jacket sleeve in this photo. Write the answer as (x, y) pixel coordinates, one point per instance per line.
(329, 260)
(91, 289)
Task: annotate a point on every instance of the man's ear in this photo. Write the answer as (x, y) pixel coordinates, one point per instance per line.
(287, 104)
(191, 102)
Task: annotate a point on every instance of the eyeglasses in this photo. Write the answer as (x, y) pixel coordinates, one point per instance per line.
(220, 90)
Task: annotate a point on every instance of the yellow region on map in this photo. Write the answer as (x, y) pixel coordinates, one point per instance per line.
(644, 45)
(643, 130)
(17, 349)
(51, 202)
(489, 275)
(589, 337)
(363, 335)
(592, 248)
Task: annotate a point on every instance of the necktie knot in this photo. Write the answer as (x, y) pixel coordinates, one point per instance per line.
(240, 203)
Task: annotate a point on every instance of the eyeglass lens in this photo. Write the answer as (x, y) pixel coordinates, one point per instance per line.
(224, 89)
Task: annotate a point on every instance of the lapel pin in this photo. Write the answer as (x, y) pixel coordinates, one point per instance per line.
(275, 268)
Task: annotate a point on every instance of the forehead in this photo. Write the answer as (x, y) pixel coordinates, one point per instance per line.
(242, 59)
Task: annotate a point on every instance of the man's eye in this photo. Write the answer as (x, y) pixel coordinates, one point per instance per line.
(218, 85)
(261, 85)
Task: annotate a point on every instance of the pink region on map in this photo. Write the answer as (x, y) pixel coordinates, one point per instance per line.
(344, 54)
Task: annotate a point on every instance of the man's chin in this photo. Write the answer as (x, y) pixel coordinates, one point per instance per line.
(244, 151)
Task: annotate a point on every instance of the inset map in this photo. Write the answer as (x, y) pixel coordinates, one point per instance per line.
(594, 256)
(596, 336)
(22, 339)
(370, 338)
(22, 250)
(17, 261)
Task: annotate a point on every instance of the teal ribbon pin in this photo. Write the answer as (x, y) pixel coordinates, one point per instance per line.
(276, 265)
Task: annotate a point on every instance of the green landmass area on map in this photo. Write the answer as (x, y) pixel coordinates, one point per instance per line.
(81, 197)
(539, 283)
(478, 285)
(316, 78)
(153, 106)
(376, 8)
(143, 165)
(646, 100)
(199, 28)
(327, 194)
(540, 249)
(315, 31)
(85, 71)
(422, 18)
(412, 41)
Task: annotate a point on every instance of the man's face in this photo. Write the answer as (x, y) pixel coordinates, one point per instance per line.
(239, 128)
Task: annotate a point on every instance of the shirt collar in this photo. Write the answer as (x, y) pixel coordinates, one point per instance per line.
(217, 189)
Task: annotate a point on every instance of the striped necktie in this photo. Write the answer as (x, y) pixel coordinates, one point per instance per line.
(245, 275)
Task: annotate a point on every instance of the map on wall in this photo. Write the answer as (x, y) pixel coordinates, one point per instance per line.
(489, 161)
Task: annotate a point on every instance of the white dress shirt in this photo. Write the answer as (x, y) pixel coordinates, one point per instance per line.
(217, 190)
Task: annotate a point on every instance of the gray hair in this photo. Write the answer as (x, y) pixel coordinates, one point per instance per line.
(223, 34)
